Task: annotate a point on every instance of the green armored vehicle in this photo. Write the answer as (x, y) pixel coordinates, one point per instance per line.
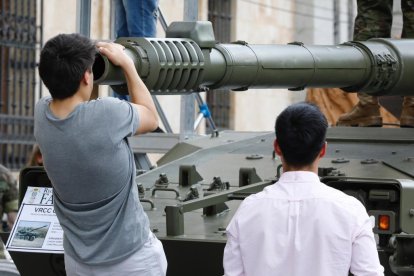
(375, 165)
(198, 185)
(28, 233)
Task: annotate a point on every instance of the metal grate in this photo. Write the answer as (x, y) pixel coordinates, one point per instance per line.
(18, 42)
(219, 13)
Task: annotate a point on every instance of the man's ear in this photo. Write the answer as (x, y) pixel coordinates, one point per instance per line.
(86, 78)
(323, 150)
(277, 147)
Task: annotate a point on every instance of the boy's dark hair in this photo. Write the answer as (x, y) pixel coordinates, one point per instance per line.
(301, 131)
(63, 61)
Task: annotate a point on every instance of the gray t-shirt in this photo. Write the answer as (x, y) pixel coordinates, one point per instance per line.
(92, 170)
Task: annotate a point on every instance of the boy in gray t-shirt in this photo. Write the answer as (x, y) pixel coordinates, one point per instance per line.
(90, 164)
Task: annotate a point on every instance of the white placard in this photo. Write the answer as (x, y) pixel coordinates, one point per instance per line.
(37, 228)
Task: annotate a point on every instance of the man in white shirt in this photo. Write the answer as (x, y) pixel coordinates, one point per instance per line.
(299, 226)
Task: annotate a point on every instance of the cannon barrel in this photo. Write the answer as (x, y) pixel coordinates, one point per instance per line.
(189, 60)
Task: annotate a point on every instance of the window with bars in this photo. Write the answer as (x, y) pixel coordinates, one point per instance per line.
(219, 13)
(18, 42)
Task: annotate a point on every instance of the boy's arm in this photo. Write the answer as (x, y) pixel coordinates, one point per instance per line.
(140, 97)
(365, 260)
(232, 259)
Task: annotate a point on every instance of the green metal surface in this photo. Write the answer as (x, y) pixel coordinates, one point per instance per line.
(355, 162)
(189, 60)
(407, 206)
(367, 169)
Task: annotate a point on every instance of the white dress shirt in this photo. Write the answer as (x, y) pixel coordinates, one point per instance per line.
(299, 226)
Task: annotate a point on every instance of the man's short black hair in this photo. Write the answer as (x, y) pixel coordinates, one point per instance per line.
(63, 61)
(301, 132)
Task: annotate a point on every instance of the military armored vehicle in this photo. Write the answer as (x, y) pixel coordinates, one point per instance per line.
(28, 233)
(375, 165)
(193, 193)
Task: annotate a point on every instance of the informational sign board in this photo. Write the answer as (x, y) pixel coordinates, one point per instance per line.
(37, 228)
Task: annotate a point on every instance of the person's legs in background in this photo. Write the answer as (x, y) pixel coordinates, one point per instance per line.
(374, 19)
(407, 114)
(121, 28)
(135, 18)
(141, 17)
